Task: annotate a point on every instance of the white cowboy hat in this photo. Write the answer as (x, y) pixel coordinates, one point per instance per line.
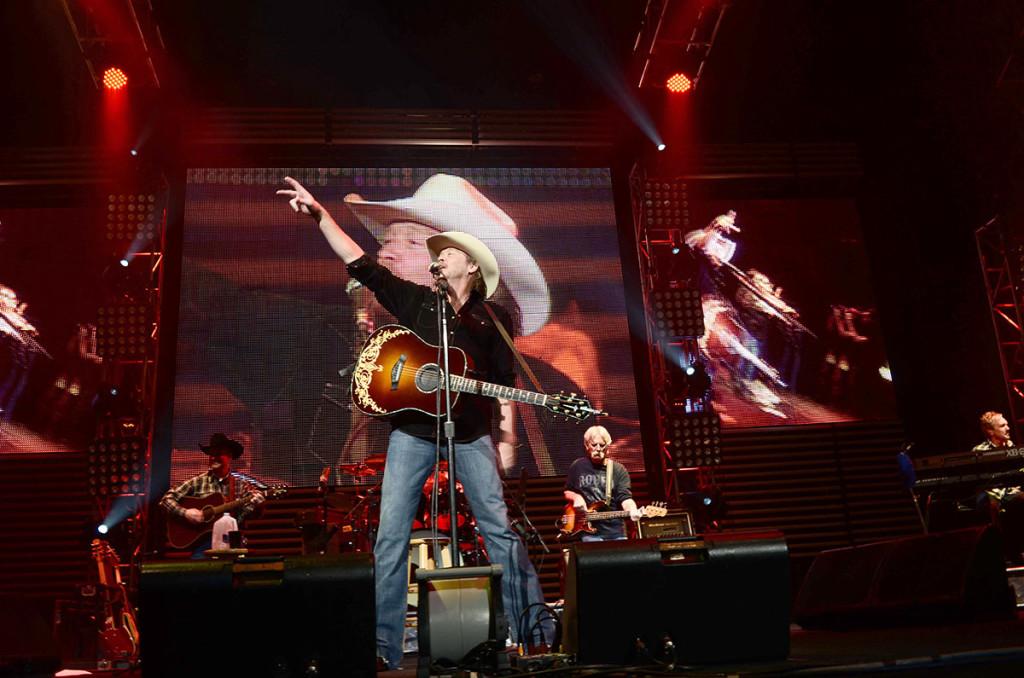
(476, 250)
(450, 203)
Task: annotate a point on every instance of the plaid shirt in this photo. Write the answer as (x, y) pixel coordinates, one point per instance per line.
(205, 484)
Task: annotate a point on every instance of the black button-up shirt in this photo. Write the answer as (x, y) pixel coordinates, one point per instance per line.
(471, 329)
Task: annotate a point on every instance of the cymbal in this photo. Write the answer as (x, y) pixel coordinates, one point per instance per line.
(375, 461)
(358, 469)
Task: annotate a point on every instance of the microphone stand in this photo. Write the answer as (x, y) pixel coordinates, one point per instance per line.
(524, 526)
(449, 425)
(325, 533)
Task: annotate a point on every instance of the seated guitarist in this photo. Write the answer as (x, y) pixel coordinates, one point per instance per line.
(597, 479)
(218, 479)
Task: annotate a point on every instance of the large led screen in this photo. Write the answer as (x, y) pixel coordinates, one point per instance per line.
(792, 333)
(271, 324)
(54, 385)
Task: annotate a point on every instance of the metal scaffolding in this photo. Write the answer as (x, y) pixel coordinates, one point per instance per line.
(1000, 261)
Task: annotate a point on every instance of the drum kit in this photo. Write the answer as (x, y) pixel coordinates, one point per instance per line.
(348, 522)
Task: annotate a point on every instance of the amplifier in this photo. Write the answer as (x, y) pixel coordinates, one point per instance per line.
(675, 524)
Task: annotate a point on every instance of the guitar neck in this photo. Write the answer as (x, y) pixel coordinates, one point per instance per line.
(607, 515)
(464, 385)
(227, 506)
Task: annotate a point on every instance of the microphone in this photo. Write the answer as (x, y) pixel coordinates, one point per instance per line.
(439, 279)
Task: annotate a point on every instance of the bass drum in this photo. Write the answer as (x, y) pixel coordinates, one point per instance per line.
(464, 516)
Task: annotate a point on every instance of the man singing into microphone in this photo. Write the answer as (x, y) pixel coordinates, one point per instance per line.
(468, 273)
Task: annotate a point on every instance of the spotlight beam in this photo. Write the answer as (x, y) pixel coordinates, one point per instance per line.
(573, 29)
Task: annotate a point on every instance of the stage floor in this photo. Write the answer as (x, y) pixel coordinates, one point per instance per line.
(986, 648)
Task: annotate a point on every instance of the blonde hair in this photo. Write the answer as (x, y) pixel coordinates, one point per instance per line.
(987, 421)
(478, 277)
(601, 431)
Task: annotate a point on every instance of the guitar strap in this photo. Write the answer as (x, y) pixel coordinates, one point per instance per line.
(511, 345)
(608, 483)
(540, 449)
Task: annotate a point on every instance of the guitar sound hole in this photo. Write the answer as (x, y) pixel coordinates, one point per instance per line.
(428, 378)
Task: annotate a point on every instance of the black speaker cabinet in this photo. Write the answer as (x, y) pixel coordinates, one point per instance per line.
(720, 598)
(945, 576)
(259, 616)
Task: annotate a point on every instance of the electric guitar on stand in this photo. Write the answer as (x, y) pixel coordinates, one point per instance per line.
(397, 371)
(119, 635)
(575, 522)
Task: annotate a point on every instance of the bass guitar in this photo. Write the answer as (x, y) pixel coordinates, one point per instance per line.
(576, 522)
(396, 371)
(183, 534)
(119, 637)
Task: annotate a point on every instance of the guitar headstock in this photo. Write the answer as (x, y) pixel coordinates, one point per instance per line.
(571, 406)
(654, 510)
(102, 550)
(270, 491)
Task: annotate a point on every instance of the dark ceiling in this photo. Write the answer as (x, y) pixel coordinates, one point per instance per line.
(779, 69)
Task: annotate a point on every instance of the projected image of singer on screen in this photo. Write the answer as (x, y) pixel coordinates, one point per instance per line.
(271, 324)
(566, 358)
(782, 339)
(447, 203)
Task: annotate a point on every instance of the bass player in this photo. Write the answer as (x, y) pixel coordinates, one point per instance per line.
(597, 479)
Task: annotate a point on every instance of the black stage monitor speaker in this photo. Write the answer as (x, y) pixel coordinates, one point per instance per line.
(946, 576)
(259, 617)
(722, 598)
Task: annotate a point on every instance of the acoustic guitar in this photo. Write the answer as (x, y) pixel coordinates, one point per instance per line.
(576, 522)
(397, 370)
(183, 534)
(119, 636)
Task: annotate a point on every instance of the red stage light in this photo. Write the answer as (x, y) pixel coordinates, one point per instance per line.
(678, 83)
(114, 78)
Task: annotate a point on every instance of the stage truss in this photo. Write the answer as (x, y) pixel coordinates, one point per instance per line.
(1000, 261)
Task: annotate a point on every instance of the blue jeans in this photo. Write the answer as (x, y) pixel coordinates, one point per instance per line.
(409, 461)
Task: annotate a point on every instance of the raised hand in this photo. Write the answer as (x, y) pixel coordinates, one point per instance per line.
(300, 199)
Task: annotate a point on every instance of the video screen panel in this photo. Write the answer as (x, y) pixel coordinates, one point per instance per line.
(792, 333)
(270, 322)
(53, 276)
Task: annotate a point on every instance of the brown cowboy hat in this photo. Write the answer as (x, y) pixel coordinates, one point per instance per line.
(220, 442)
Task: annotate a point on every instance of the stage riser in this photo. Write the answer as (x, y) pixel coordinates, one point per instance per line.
(950, 576)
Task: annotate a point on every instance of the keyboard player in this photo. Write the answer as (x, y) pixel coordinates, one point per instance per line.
(996, 430)
(1005, 504)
